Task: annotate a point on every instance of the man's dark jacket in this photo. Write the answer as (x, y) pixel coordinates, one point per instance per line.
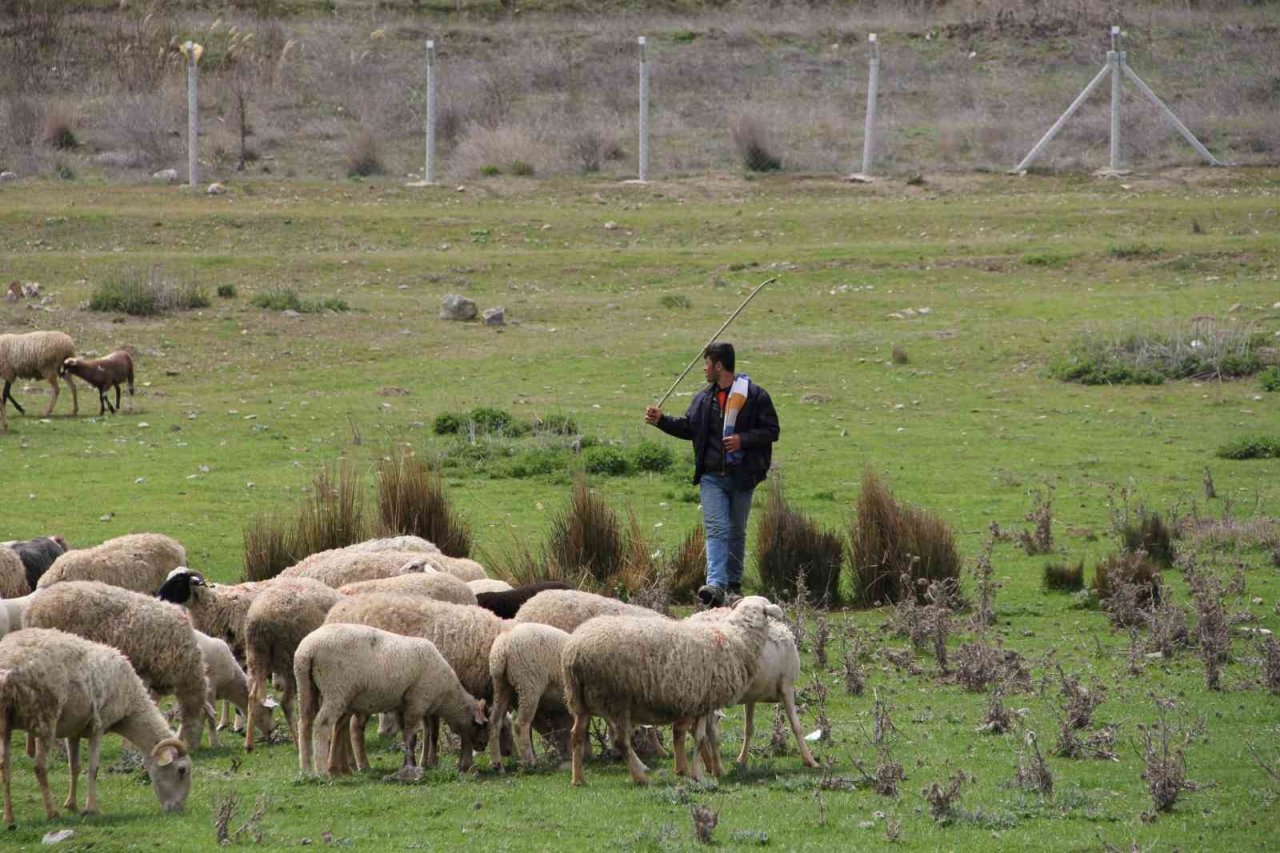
(757, 425)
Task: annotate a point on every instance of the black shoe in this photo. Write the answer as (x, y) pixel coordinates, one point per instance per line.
(711, 596)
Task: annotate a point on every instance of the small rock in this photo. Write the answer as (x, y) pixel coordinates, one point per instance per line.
(139, 480)
(143, 425)
(289, 312)
(611, 226)
(494, 317)
(169, 176)
(172, 372)
(455, 307)
(217, 189)
(58, 837)
(8, 176)
(106, 516)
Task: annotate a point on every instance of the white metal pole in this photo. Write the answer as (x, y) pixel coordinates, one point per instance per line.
(1115, 59)
(429, 171)
(193, 116)
(644, 109)
(1173, 119)
(873, 87)
(1064, 118)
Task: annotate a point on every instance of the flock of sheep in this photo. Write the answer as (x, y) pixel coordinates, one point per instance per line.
(50, 356)
(391, 627)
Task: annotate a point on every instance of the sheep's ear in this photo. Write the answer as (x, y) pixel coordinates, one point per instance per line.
(270, 703)
(168, 751)
(773, 611)
(481, 717)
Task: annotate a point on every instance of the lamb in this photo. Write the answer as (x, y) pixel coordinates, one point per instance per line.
(34, 355)
(566, 609)
(344, 670)
(227, 683)
(56, 685)
(342, 566)
(524, 664)
(38, 555)
(155, 636)
(218, 610)
(653, 671)
(436, 585)
(464, 635)
(138, 562)
(282, 614)
(104, 374)
(489, 585)
(775, 681)
(507, 604)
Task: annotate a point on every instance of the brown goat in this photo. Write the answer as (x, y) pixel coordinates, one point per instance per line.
(104, 374)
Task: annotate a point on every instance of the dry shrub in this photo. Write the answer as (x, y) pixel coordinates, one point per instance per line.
(1064, 577)
(332, 513)
(687, 566)
(586, 542)
(1033, 771)
(1212, 633)
(855, 679)
(984, 610)
(1039, 540)
(268, 547)
(507, 148)
(1165, 769)
(887, 541)
(58, 129)
(791, 546)
(1127, 585)
(362, 157)
(412, 501)
(1146, 531)
(593, 145)
(754, 145)
(144, 125)
(821, 637)
(1081, 701)
(944, 798)
(704, 821)
(22, 121)
(1168, 624)
(638, 576)
(998, 719)
(1271, 665)
(978, 665)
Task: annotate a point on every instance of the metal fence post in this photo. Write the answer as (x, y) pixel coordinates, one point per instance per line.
(429, 169)
(873, 88)
(643, 170)
(192, 52)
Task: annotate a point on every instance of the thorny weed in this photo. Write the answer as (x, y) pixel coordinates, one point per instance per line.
(821, 637)
(1039, 540)
(1271, 665)
(704, 822)
(1212, 632)
(944, 798)
(1081, 701)
(855, 679)
(984, 611)
(1163, 745)
(819, 691)
(1033, 771)
(999, 719)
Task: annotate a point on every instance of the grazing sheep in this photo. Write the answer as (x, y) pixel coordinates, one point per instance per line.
(56, 685)
(282, 614)
(139, 562)
(342, 566)
(775, 681)
(437, 585)
(507, 604)
(104, 374)
(566, 609)
(4, 622)
(13, 574)
(398, 543)
(227, 683)
(155, 636)
(37, 556)
(34, 355)
(464, 635)
(524, 664)
(653, 671)
(218, 610)
(15, 610)
(344, 670)
(489, 585)
(460, 567)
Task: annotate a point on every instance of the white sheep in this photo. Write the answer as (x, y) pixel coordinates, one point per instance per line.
(460, 567)
(489, 585)
(775, 681)
(342, 566)
(228, 684)
(660, 672)
(398, 543)
(15, 610)
(13, 574)
(464, 635)
(346, 670)
(155, 636)
(139, 561)
(524, 664)
(34, 355)
(437, 585)
(566, 609)
(218, 610)
(277, 621)
(56, 685)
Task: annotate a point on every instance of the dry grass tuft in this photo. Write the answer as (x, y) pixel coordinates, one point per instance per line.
(332, 513)
(1039, 539)
(704, 821)
(687, 566)
(1271, 665)
(268, 547)
(887, 541)
(362, 155)
(1064, 577)
(1127, 586)
(792, 548)
(58, 129)
(943, 798)
(754, 145)
(1212, 633)
(412, 501)
(1145, 531)
(1163, 759)
(586, 544)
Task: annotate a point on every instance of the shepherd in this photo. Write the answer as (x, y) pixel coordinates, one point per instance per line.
(733, 426)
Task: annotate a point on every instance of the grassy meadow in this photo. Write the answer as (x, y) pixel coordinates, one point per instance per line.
(608, 291)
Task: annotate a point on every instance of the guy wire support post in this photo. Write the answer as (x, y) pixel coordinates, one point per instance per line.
(1117, 66)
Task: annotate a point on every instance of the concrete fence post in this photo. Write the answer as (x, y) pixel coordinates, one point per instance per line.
(192, 52)
(1115, 59)
(429, 168)
(643, 168)
(873, 88)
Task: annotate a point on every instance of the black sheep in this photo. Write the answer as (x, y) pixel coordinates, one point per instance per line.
(37, 555)
(505, 604)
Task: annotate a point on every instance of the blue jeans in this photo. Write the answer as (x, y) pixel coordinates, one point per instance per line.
(724, 511)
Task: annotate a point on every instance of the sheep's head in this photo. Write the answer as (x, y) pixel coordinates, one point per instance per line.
(67, 364)
(417, 565)
(754, 604)
(179, 587)
(169, 767)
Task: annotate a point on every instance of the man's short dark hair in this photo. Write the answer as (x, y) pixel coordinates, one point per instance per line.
(721, 352)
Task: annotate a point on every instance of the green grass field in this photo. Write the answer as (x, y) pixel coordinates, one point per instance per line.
(238, 405)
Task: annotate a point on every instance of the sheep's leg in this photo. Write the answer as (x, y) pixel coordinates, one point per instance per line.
(655, 742)
(31, 745)
(287, 693)
(53, 400)
(324, 724)
(340, 756)
(432, 725)
(789, 702)
(225, 716)
(117, 408)
(306, 729)
(103, 402)
(6, 756)
(95, 752)
(638, 774)
(73, 762)
(747, 728)
(8, 395)
(699, 728)
(524, 730)
(501, 701)
(215, 740)
(358, 724)
(577, 745)
(678, 730)
(329, 755)
(75, 397)
(713, 745)
(42, 776)
(257, 692)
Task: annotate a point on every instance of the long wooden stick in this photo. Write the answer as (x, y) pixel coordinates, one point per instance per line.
(719, 332)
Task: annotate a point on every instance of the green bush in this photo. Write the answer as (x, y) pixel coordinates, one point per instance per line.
(226, 291)
(651, 456)
(448, 423)
(319, 306)
(1270, 378)
(556, 425)
(1148, 357)
(1251, 447)
(521, 169)
(607, 460)
(277, 299)
(675, 300)
(495, 421)
(490, 171)
(1134, 252)
(540, 462)
(146, 294)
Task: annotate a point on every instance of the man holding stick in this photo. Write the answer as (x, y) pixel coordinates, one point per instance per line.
(733, 425)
